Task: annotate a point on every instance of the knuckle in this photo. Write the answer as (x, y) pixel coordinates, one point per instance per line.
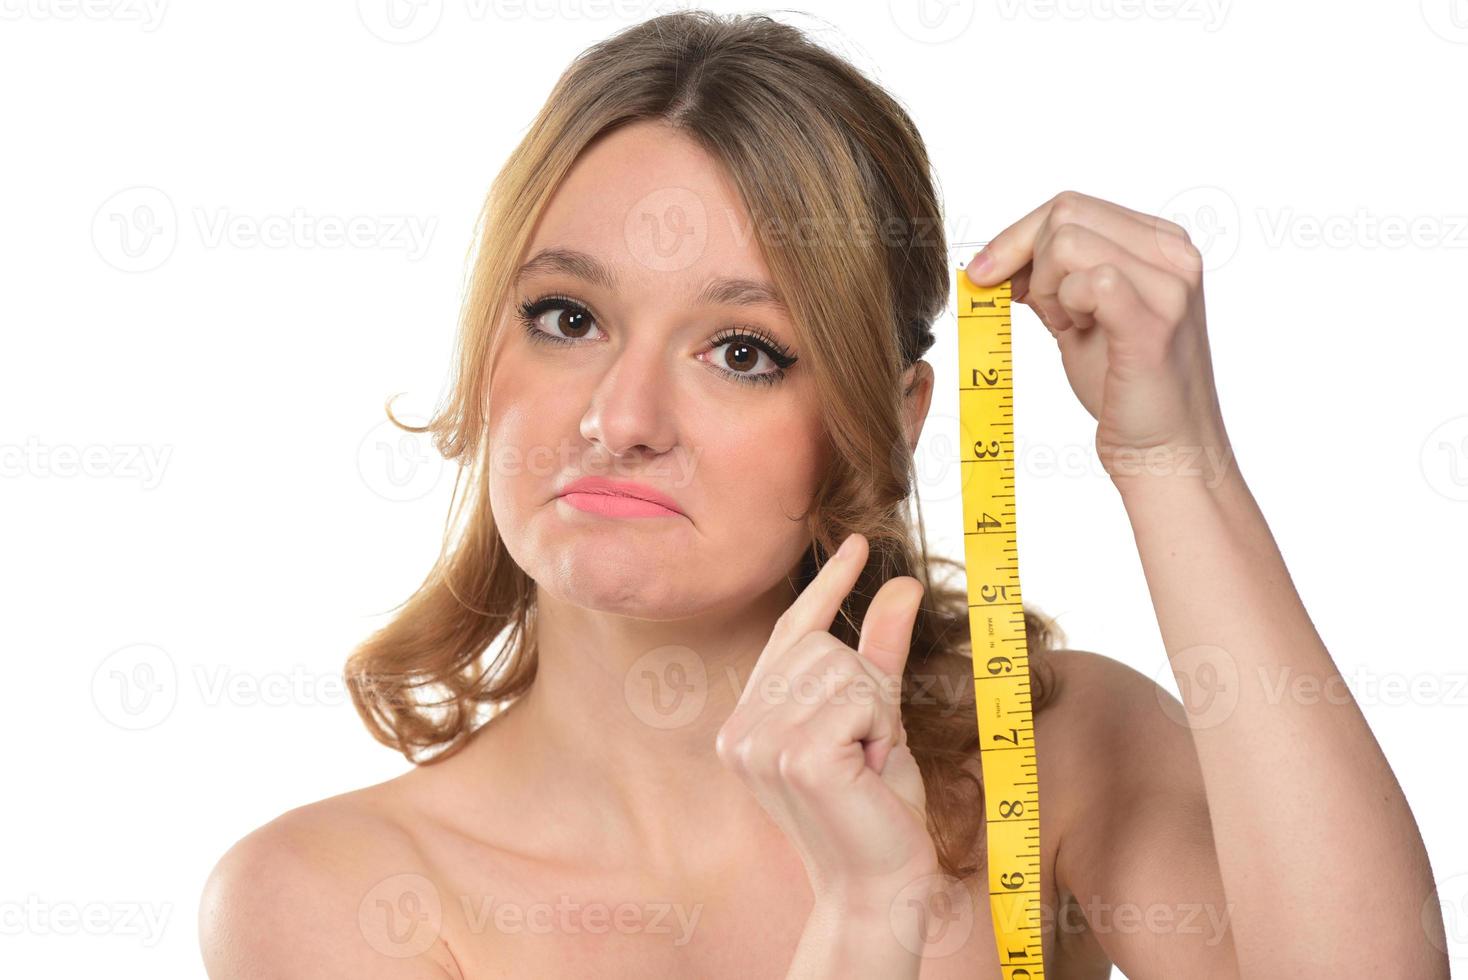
(1067, 202)
(1182, 254)
(835, 660)
(1107, 279)
(725, 743)
(1193, 255)
(847, 688)
(1172, 228)
(1066, 240)
(800, 766)
(749, 755)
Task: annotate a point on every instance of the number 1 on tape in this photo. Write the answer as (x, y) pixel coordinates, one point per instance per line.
(996, 619)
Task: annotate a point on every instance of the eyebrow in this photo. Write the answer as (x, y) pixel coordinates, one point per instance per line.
(718, 291)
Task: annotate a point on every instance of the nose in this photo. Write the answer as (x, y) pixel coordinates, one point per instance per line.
(630, 410)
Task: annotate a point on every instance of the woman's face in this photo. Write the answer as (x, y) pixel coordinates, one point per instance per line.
(662, 376)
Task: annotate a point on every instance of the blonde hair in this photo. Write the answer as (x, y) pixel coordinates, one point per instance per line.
(807, 139)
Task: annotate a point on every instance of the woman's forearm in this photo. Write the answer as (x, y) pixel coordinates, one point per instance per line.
(1322, 862)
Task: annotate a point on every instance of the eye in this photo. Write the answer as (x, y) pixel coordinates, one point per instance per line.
(573, 319)
(744, 352)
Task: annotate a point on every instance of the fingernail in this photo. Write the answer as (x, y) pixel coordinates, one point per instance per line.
(981, 264)
(847, 547)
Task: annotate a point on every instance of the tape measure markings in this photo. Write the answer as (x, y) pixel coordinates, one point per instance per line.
(996, 622)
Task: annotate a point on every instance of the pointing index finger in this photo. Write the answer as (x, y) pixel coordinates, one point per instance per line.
(816, 606)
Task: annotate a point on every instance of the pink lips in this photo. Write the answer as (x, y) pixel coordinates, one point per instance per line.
(618, 498)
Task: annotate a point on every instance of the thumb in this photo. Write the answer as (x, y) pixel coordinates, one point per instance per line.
(886, 629)
(886, 639)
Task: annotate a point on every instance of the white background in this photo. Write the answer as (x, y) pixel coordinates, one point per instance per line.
(203, 510)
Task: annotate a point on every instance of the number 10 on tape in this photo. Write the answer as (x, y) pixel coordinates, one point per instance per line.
(996, 618)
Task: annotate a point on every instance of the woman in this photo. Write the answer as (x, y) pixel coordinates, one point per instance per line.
(689, 370)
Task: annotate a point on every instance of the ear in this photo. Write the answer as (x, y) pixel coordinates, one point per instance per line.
(917, 391)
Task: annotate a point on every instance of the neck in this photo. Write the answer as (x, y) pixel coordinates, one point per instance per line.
(618, 728)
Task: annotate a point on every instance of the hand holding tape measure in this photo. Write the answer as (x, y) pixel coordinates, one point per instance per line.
(1121, 293)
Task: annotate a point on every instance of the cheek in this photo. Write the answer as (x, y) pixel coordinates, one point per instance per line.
(757, 482)
(522, 440)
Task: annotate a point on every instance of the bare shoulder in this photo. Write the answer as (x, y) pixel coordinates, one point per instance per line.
(1109, 732)
(305, 894)
(1116, 757)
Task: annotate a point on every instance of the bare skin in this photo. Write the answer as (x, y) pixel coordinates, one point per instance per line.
(570, 793)
(662, 859)
(495, 836)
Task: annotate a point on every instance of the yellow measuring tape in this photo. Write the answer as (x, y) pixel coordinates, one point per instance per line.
(996, 620)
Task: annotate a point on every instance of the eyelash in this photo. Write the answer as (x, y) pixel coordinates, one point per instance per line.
(531, 311)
